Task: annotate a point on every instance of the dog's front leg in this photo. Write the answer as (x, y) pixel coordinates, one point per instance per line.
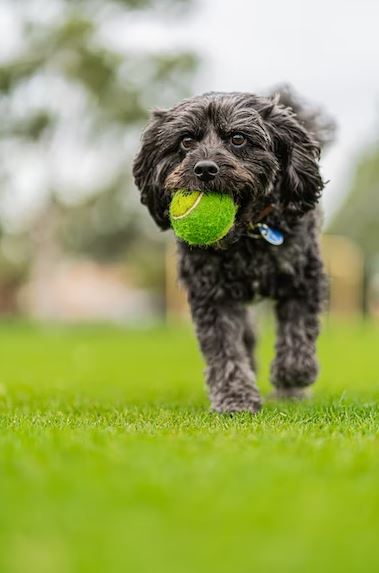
(295, 366)
(221, 331)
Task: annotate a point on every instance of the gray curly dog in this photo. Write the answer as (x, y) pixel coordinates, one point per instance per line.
(264, 151)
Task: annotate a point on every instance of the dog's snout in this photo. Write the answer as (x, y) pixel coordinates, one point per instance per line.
(206, 170)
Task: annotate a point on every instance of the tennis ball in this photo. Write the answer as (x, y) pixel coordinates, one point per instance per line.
(201, 218)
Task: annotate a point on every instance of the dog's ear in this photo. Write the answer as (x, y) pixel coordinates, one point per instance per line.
(300, 183)
(148, 170)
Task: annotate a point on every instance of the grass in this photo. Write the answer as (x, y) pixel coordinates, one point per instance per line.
(111, 462)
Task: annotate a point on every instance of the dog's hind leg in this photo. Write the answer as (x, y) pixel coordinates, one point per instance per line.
(295, 366)
(223, 338)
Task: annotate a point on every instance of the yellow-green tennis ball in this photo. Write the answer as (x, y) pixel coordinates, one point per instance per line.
(200, 218)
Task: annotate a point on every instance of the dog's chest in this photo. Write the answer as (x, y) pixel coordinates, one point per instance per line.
(244, 273)
(249, 272)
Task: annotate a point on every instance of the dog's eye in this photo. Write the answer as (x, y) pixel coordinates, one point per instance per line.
(238, 139)
(187, 142)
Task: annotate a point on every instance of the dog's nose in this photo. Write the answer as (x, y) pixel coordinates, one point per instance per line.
(206, 170)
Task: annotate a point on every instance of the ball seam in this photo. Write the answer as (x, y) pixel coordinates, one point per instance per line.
(177, 217)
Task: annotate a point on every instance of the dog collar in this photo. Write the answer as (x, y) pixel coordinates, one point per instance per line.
(272, 235)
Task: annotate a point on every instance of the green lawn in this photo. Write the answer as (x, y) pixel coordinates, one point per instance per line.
(111, 462)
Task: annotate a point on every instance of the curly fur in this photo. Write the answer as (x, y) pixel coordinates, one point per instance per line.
(277, 166)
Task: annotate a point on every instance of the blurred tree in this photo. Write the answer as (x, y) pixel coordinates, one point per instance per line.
(73, 94)
(359, 214)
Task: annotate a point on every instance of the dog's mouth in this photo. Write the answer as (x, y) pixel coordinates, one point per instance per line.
(217, 185)
(238, 190)
(234, 180)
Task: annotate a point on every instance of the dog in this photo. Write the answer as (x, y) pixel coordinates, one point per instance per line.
(264, 151)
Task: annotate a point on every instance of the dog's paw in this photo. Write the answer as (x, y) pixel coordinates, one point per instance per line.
(294, 371)
(230, 403)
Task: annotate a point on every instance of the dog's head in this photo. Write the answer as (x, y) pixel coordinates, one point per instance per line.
(251, 147)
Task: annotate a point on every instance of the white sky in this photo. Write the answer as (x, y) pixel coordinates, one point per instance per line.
(328, 50)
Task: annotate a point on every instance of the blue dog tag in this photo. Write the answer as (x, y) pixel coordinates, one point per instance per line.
(272, 236)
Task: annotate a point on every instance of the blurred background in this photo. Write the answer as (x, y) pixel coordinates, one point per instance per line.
(77, 80)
